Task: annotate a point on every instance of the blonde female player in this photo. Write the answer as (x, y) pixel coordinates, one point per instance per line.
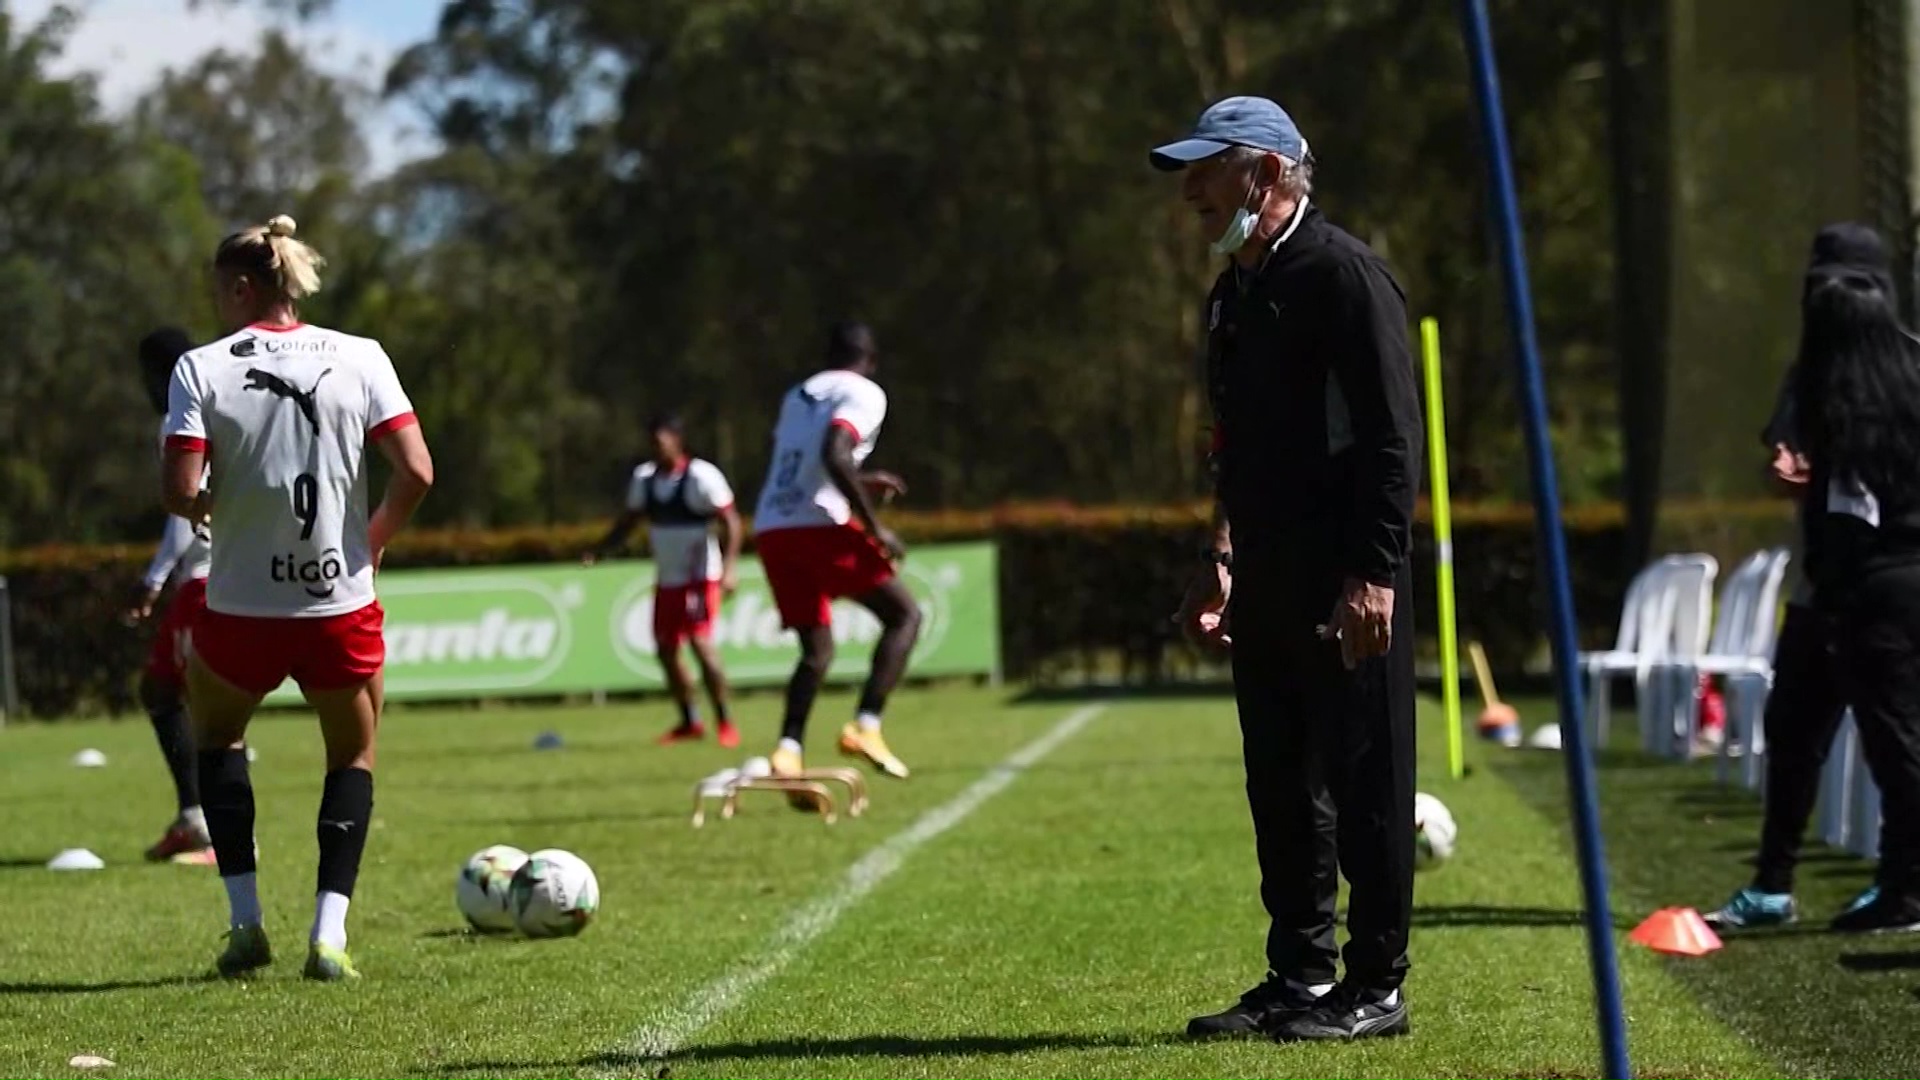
(285, 411)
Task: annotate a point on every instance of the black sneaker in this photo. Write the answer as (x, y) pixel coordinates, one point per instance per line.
(1347, 1014)
(1886, 913)
(1258, 1009)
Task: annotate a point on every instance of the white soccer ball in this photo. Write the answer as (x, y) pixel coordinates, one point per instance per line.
(1433, 832)
(482, 888)
(554, 895)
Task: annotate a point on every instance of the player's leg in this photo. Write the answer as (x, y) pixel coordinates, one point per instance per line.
(816, 657)
(715, 678)
(349, 720)
(680, 686)
(796, 563)
(342, 678)
(899, 616)
(1803, 712)
(165, 702)
(221, 712)
(1880, 674)
(670, 625)
(163, 693)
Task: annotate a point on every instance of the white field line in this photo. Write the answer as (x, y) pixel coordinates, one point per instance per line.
(668, 1031)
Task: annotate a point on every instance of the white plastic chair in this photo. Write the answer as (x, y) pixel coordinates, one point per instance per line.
(1687, 592)
(1643, 623)
(1743, 657)
(1864, 839)
(1839, 783)
(1744, 624)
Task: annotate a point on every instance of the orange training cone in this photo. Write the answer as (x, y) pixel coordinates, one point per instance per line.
(1677, 930)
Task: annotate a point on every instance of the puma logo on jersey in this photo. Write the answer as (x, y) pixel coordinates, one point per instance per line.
(281, 388)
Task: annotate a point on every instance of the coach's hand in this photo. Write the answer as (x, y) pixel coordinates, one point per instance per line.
(1362, 621)
(1203, 611)
(1789, 471)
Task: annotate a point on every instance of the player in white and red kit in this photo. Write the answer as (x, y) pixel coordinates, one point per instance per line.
(284, 412)
(682, 498)
(183, 559)
(819, 540)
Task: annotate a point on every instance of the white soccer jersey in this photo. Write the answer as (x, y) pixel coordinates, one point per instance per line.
(680, 504)
(285, 416)
(798, 493)
(185, 553)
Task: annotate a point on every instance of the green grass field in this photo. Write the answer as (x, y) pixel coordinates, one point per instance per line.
(1058, 919)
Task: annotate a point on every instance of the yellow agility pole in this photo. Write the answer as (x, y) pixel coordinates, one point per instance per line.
(1442, 541)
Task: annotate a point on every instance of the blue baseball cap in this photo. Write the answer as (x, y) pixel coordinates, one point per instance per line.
(1236, 121)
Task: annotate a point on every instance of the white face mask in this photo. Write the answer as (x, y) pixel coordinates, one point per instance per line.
(1240, 229)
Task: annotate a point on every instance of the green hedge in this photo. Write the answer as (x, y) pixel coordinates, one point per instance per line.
(1084, 592)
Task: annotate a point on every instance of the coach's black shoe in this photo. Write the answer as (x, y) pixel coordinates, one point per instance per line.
(1886, 913)
(1258, 1009)
(1347, 1014)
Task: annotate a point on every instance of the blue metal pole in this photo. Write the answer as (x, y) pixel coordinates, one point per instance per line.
(1478, 33)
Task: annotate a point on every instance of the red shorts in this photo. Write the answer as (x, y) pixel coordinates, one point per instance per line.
(684, 611)
(809, 568)
(173, 643)
(257, 655)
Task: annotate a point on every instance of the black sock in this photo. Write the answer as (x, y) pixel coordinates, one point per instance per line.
(176, 745)
(346, 810)
(872, 702)
(226, 793)
(801, 691)
(689, 715)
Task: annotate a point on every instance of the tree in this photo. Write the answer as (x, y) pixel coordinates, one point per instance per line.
(269, 131)
(99, 235)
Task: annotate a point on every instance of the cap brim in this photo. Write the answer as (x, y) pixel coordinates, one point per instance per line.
(1176, 156)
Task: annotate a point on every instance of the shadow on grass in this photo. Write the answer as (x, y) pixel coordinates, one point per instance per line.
(16, 863)
(859, 1046)
(36, 989)
(1880, 961)
(461, 933)
(1473, 915)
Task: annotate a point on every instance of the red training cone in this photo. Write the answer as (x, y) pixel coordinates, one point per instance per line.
(1679, 931)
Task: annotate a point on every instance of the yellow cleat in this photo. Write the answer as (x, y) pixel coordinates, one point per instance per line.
(328, 964)
(856, 741)
(786, 762)
(789, 763)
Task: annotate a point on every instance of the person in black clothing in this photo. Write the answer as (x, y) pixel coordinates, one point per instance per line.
(1857, 388)
(1806, 704)
(1317, 454)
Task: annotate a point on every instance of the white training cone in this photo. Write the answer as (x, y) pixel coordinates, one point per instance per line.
(89, 759)
(1545, 737)
(76, 859)
(88, 1061)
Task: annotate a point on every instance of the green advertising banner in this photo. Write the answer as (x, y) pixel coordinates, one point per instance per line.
(533, 630)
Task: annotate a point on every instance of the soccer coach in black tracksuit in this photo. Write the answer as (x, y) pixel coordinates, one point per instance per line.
(1317, 454)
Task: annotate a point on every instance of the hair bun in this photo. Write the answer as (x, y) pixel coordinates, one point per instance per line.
(281, 225)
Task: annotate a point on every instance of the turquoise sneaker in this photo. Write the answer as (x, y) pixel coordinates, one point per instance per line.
(328, 964)
(1867, 896)
(1751, 909)
(245, 953)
